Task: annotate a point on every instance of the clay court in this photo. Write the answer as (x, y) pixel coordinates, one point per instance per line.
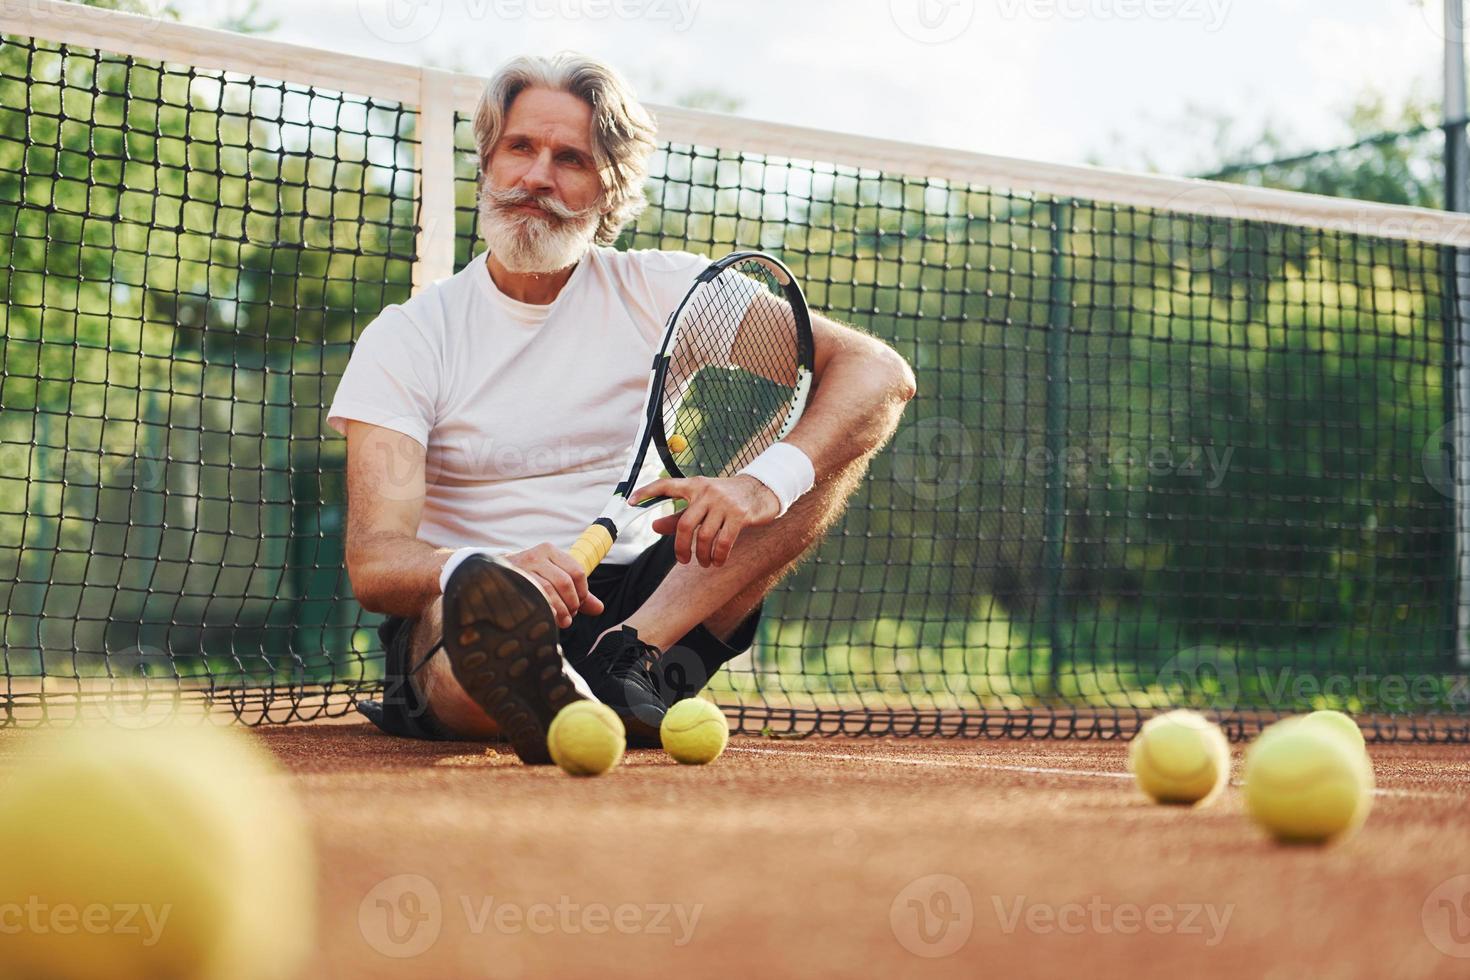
(788, 857)
(1173, 442)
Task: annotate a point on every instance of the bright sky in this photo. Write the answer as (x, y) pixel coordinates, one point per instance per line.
(1045, 79)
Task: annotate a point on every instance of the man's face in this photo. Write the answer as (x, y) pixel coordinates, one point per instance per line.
(542, 195)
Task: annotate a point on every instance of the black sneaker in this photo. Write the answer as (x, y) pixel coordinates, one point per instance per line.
(620, 671)
(501, 638)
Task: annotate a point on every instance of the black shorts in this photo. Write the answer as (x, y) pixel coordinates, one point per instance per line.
(622, 589)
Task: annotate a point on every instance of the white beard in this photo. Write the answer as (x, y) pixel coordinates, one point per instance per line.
(537, 244)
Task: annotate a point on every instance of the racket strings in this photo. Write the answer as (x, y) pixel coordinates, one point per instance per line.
(731, 373)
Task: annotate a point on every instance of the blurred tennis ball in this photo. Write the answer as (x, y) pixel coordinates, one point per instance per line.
(171, 852)
(694, 732)
(677, 443)
(1180, 757)
(586, 738)
(1306, 784)
(1341, 724)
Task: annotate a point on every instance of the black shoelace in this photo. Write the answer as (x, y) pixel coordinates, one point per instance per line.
(629, 663)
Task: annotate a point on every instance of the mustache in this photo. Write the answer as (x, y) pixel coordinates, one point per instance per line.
(511, 197)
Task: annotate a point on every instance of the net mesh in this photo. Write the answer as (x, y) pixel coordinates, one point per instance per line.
(187, 257)
(1158, 457)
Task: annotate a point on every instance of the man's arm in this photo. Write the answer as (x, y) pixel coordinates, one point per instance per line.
(392, 571)
(860, 386)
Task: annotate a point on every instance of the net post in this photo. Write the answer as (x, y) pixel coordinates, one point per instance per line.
(1457, 303)
(1054, 537)
(435, 159)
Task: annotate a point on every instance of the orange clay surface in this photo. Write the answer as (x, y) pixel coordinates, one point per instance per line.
(817, 857)
(859, 857)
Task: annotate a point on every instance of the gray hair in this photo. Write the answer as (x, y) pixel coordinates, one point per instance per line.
(622, 130)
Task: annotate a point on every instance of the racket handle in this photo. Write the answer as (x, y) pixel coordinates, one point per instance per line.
(594, 544)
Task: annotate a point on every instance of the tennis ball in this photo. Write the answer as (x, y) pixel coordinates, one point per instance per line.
(1180, 757)
(586, 738)
(694, 732)
(677, 443)
(1341, 724)
(1304, 784)
(171, 852)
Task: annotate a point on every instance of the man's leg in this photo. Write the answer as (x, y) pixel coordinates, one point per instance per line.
(501, 670)
(451, 707)
(722, 597)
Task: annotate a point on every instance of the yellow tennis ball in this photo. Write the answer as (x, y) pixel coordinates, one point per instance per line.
(694, 732)
(171, 852)
(586, 738)
(677, 443)
(1340, 724)
(1304, 784)
(1180, 757)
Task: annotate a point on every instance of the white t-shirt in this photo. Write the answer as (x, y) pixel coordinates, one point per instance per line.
(527, 412)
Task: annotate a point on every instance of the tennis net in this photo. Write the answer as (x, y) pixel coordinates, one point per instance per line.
(1176, 443)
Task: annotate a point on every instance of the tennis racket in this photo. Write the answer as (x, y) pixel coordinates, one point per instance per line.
(731, 378)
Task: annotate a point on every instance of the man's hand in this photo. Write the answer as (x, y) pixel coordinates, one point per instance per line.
(719, 509)
(561, 580)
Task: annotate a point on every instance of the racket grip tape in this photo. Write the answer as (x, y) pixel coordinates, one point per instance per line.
(594, 544)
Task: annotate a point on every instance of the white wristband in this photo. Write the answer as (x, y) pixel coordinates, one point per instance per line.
(786, 470)
(457, 559)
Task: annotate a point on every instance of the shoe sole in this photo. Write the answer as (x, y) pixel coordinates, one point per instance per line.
(501, 639)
